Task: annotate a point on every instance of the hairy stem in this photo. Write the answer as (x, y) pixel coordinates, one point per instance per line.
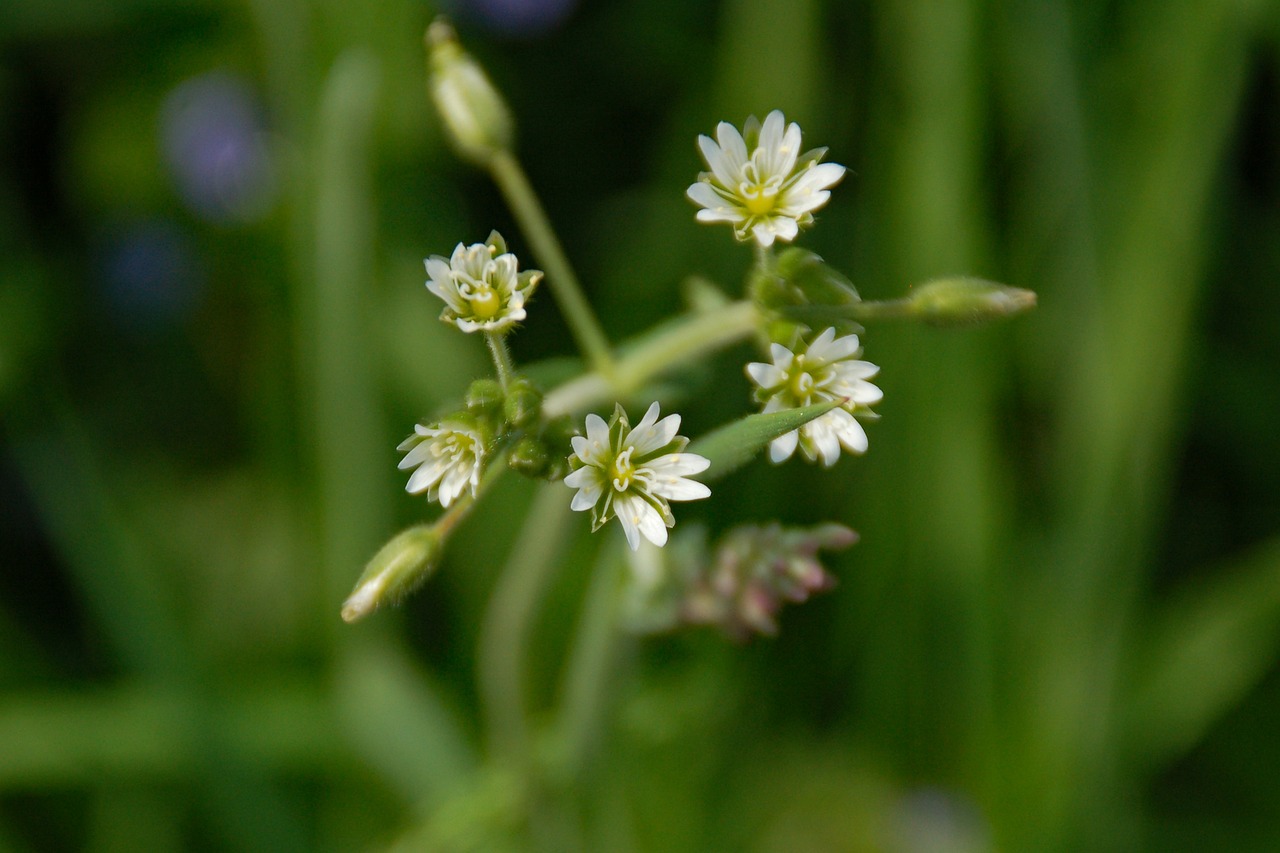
(506, 172)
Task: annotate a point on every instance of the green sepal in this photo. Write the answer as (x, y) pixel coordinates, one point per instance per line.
(818, 282)
(497, 243)
(735, 444)
(399, 567)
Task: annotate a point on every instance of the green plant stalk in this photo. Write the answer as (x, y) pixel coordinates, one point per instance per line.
(591, 670)
(508, 621)
(698, 335)
(506, 172)
(501, 358)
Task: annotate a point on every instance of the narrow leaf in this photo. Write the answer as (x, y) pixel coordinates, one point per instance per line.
(1208, 648)
(735, 444)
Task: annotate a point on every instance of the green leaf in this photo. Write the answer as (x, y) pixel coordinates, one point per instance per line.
(1208, 647)
(735, 444)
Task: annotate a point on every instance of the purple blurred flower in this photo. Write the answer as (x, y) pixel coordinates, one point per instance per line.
(214, 141)
(513, 17)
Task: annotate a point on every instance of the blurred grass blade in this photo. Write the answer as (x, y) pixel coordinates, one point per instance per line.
(400, 725)
(734, 445)
(1208, 649)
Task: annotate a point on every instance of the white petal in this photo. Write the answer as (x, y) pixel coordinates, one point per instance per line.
(646, 424)
(815, 178)
(704, 194)
(821, 433)
(721, 215)
(716, 161)
(629, 520)
(789, 150)
(733, 148)
(647, 520)
(597, 434)
(587, 497)
(425, 477)
(763, 233)
(782, 356)
(849, 431)
(581, 449)
(677, 465)
(770, 144)
(680, 489)
(818, 348)
(655, 436)
(582, 477)
(784, 228)
(765, 375)
(795, 204)
(781, 448)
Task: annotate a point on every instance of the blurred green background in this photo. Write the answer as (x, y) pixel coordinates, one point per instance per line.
(1060, 630)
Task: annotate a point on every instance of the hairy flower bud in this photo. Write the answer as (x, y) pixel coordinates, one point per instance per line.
(484, 397)
(965, 301)
(530, 457)
(399, 567)
(523, 405)
(476, 116)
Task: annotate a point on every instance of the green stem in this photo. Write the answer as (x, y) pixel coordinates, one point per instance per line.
(591, 669)
(678, 344)
(501, 358)
(508, 621)
(523, 201)
(888, 309)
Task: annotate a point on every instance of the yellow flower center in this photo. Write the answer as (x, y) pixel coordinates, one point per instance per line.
(484, 303)
(622, 470)
(760, 201)
(801, 382)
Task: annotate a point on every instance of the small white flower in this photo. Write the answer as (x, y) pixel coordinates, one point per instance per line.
(449, 458)
(762, 184)
(826, 370)
(633, 473)
(481, 286)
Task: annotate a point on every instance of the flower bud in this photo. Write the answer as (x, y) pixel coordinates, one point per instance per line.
(965, 301)
(484, 396)
(523, 405)
(476, 116)
(400, 567)
(819, 283)
(530, 457)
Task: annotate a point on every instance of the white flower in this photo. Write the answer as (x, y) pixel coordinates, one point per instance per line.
(449, 458)
(826, 370)
(762, 185)
(633, 473)
(481, 287)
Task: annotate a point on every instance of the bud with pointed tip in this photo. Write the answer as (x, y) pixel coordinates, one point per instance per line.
(399, 567)
(476, 116)
(963, 301)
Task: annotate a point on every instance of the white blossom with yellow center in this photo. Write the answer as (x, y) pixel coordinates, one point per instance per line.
(634, 473)
(448, 457)
(827, 369)
(481, 286)
(761, 184)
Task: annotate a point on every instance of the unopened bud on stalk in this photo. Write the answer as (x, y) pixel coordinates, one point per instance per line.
(965, 301)
(530, 457)
(484, 397)
(477, 118)
(523, 405)
(397, 569)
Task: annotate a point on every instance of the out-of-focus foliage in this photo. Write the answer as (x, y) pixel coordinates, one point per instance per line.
(1059, 631)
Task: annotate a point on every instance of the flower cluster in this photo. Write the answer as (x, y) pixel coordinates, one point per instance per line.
(740, 584)
(481, 286)
(759, 181)
(448, 458)
(634, 473)
(826, 370)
